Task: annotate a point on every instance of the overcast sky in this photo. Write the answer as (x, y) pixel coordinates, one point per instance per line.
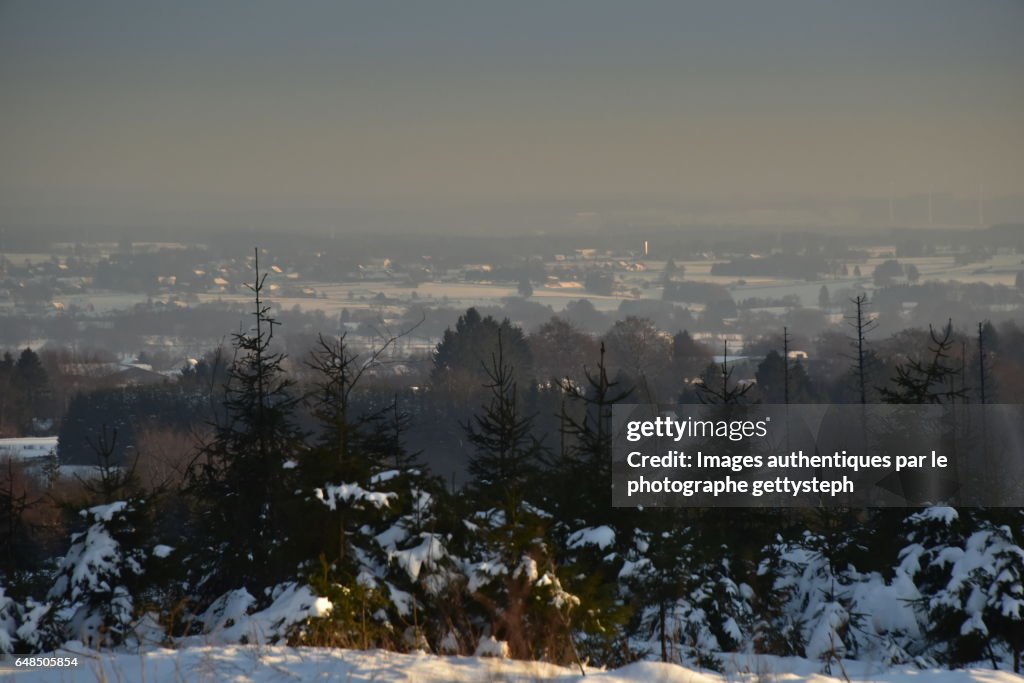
(208, 106)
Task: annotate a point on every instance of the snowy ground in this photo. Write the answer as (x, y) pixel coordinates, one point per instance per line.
(245, 664)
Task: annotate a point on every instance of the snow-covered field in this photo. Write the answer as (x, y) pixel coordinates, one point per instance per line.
(245, 664)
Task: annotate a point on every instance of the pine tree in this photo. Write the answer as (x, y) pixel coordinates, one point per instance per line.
(105, 577)
(338, 458)
(587, 459)
(816, 614)
(16, 529)
(462, 355)
(772, 378)
(343, 436)
(6, 384)
(781, 381)
(589, 531)
(406, 539)
(932, 535)
(373, 551)
(931, 380)
(970, 586)
(1002, 580)
(689, 357)
(31, 383)
(658, 576)
(716, 387)
(862, 325)
(506, 452)
(240, 477)
(506, 545)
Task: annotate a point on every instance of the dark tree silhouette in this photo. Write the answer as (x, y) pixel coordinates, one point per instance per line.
(928, 380)
(723, 391)
(239, 476)
(982, 366)
(506, 453)
(461, 356)
(862, 325)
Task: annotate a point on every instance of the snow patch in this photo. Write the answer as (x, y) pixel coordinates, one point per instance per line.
(489, 647)
(344, 493)
(601, 536)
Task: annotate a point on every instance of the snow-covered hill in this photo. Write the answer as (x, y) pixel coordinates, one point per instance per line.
(250, 664)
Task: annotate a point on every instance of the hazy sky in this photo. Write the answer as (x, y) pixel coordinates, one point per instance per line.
(207, 106)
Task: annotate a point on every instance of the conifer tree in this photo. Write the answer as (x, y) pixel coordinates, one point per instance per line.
(587, 459)
(506, 452)
(240, 477)
(511, 568)
(589, 531)
(31, 384)
(1002, 580)
(6, 386)
(773, 378)
(16, 529)
(862, 325)
(373, 551)
(928, 380)
(931, 536)
(113, 571)
(463, 354)
(717, 388)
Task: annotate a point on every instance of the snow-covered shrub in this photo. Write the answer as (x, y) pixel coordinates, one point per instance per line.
(725, 601)
(590, 558)
(348, 576)
(390, 568)
(9, 617)
(358, 615)
(933, 536)
(291, 609)
(100, 580)
(41, 628)
(409, 558)
(825, 611)
(1002, 581)
(690, 604)
(983, 597)
(515, 591)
